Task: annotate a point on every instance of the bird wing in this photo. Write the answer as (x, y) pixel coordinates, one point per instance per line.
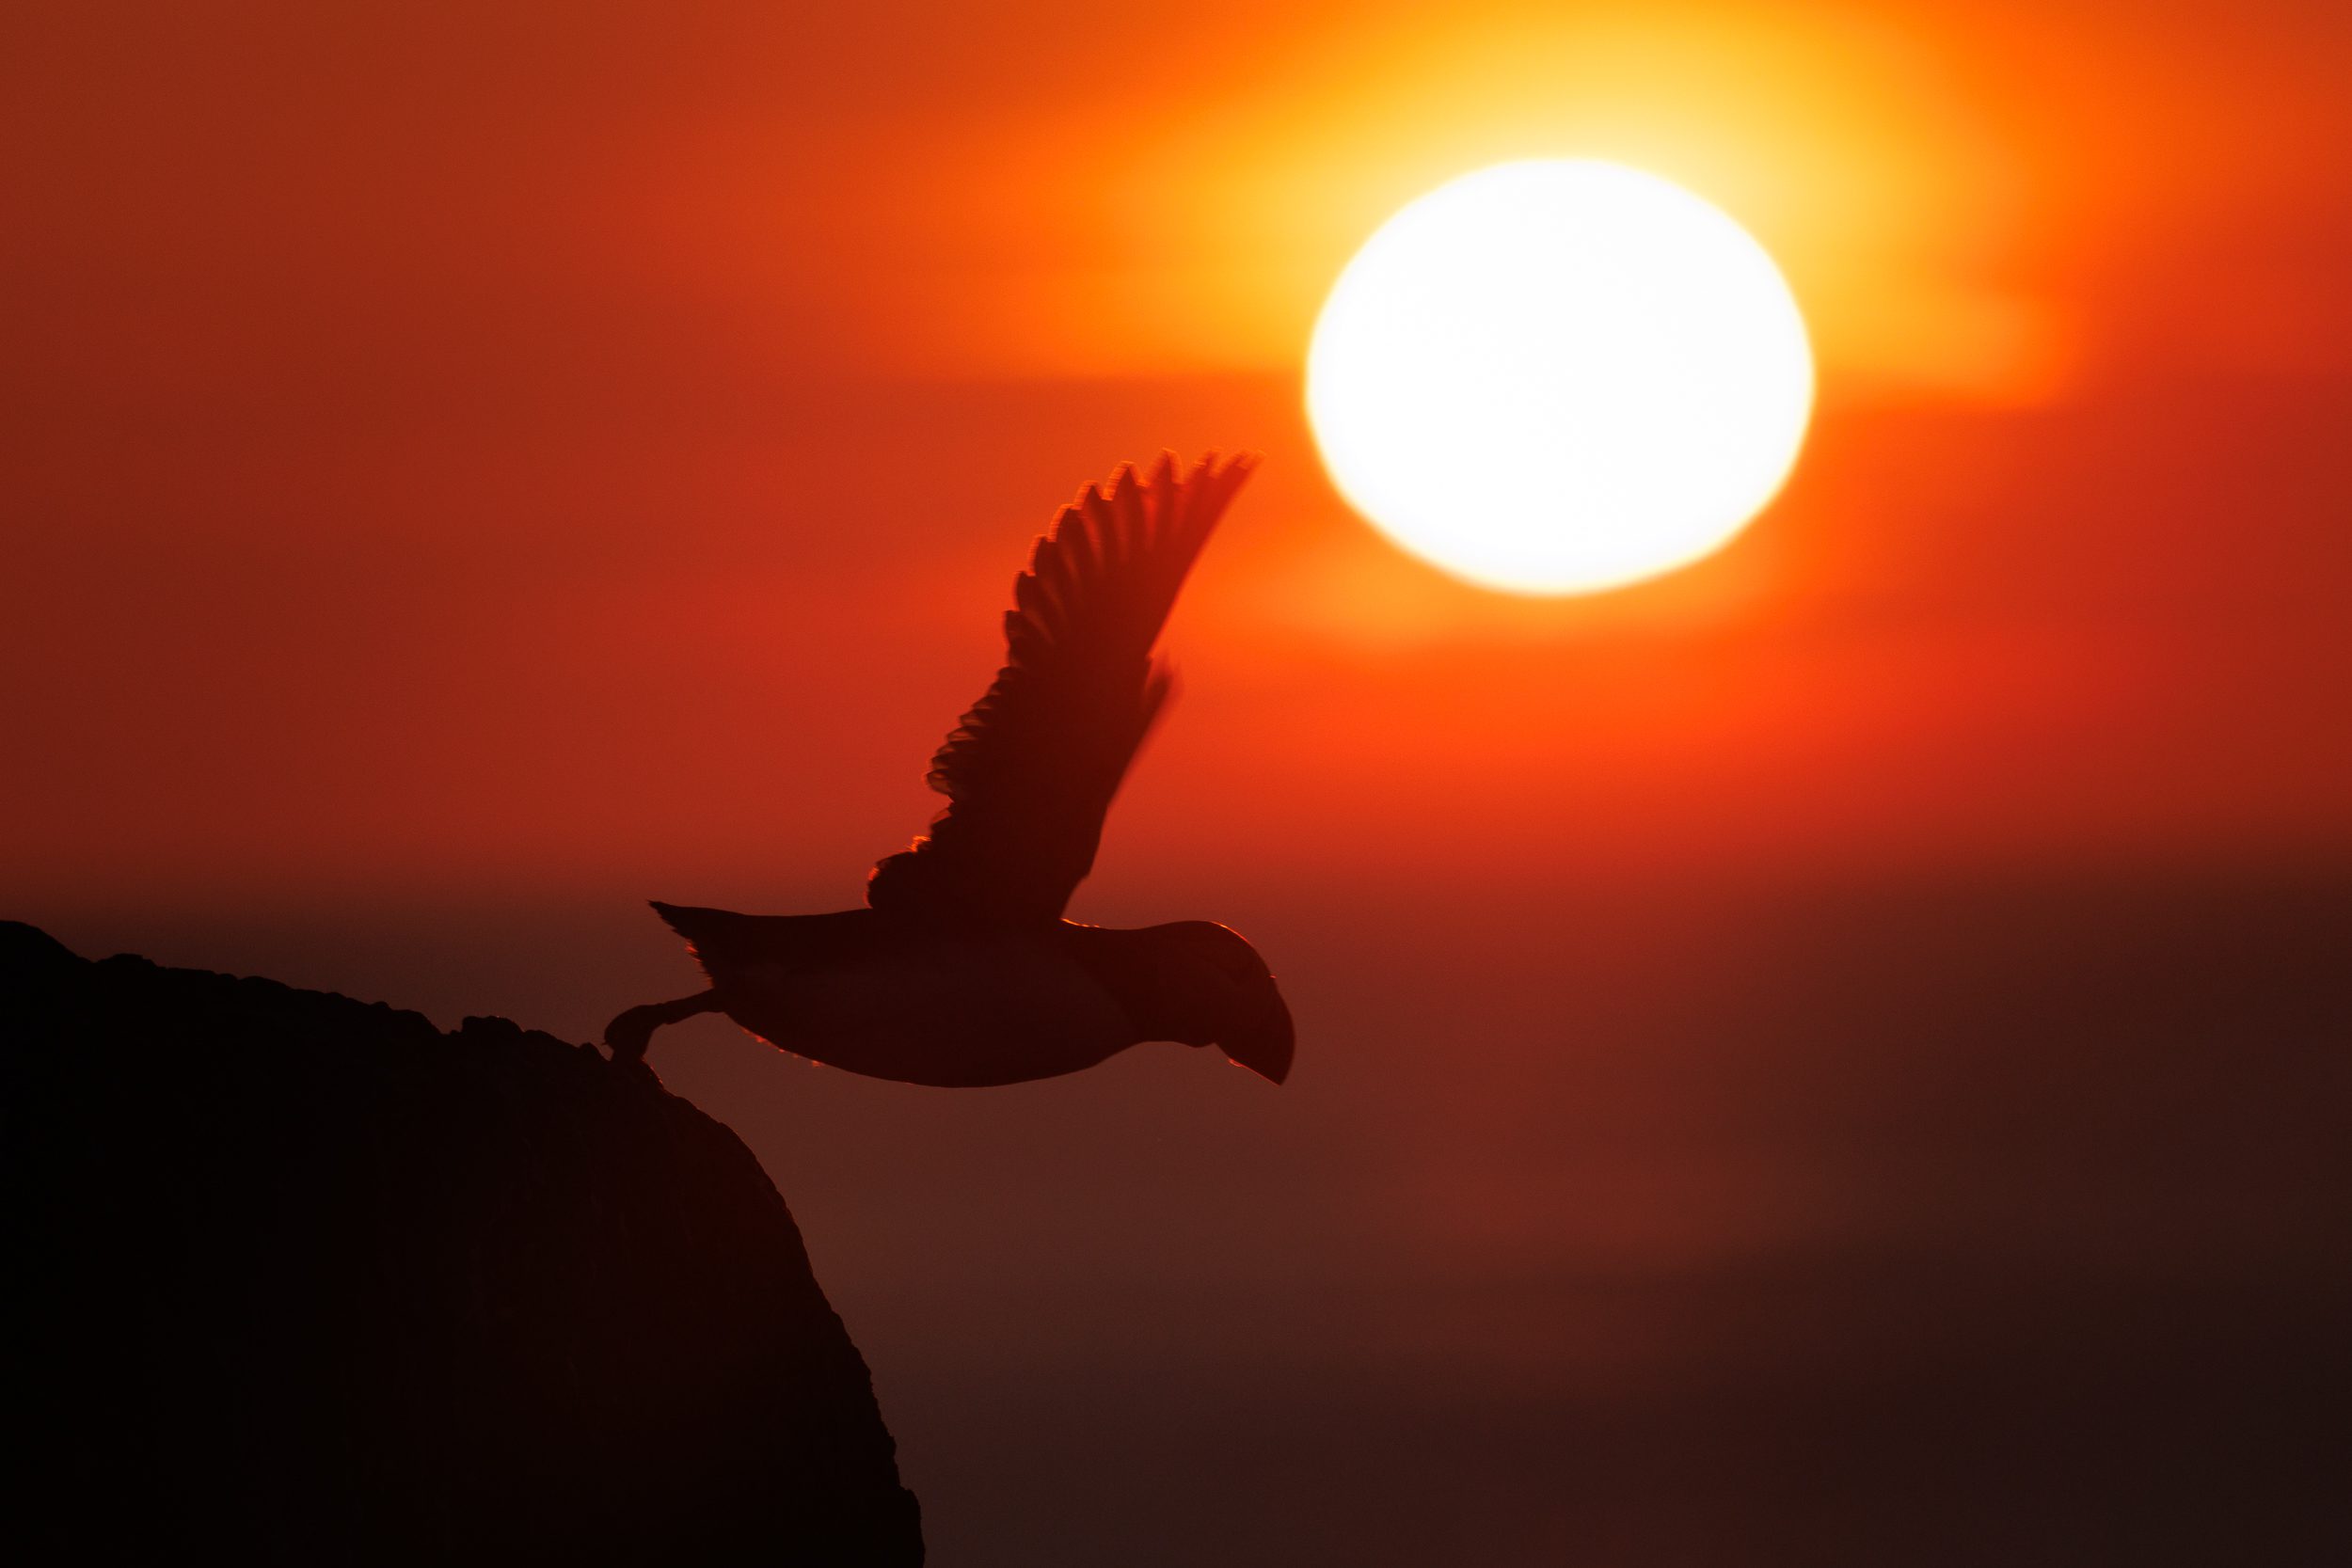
(1030, 770)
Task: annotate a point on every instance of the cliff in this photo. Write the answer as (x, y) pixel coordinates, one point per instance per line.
(310, 1280)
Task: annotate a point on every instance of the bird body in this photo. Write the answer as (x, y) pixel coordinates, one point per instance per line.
(956, 1007)
(961, 972)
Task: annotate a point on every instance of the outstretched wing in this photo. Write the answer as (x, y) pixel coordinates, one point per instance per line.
(1030, 771)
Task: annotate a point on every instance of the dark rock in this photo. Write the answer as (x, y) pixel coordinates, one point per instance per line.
(313, 1281)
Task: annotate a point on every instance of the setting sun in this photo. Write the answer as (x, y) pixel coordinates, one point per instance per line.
(1560, 377)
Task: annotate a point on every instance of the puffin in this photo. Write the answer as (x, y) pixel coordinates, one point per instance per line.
(962, 970)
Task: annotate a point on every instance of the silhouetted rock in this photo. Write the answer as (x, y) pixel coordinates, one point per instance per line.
(313, 1281)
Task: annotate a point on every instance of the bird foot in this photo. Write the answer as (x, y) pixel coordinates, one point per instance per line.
(628, 1035)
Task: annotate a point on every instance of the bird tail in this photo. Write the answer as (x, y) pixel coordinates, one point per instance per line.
(711, 935)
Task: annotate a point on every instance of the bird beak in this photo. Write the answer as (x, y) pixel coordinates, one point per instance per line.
(1265, 1047)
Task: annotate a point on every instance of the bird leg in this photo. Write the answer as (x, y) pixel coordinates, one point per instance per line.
(628, 1035)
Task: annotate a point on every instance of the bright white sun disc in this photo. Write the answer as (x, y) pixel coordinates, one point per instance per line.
(1558, 376)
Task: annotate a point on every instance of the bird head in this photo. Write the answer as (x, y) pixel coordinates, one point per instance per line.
(1215, 991)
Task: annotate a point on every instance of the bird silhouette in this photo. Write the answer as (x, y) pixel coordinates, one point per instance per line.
(961, 971)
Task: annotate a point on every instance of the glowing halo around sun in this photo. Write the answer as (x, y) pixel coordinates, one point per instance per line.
(1558, 376)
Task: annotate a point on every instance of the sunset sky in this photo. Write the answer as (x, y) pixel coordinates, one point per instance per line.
(469, 469)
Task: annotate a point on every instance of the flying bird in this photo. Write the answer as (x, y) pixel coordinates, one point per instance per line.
(961, 971)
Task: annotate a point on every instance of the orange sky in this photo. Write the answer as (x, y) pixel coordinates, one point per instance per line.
(449, 450)
(466, 470)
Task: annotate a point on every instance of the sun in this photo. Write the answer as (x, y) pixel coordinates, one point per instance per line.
(1558, 376)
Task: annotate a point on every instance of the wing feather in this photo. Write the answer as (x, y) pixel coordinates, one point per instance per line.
(1030, 770)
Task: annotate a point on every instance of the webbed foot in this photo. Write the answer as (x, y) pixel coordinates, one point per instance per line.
(628, 1035)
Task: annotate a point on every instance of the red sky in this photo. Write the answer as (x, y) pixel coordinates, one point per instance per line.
(455, 440)
(468, 469)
